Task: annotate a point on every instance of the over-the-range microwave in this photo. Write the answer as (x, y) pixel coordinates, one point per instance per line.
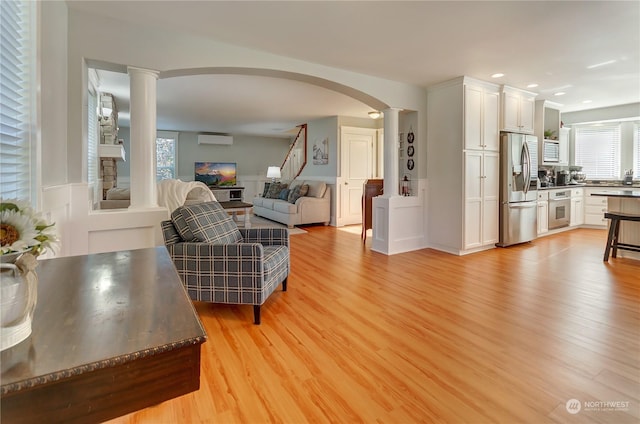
(551, 151)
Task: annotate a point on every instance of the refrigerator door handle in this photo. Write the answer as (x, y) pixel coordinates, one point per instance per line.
(525, 158)
(527, 205)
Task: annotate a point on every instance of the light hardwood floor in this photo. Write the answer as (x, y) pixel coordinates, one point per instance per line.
(502, 336)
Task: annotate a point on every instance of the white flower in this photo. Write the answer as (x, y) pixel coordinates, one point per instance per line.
(21, 229)
(26, 231)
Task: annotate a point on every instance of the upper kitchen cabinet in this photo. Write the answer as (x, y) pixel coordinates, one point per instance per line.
(548, 129)
(518, 110)
(547, 120)
(564, 146)
(481, 116)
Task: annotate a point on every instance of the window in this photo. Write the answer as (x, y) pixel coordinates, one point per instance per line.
(636, 152)
(598, 151)
(166, 155)
(17, 100)
(92, 138)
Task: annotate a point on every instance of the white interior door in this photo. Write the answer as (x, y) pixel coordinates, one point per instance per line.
(356, 167)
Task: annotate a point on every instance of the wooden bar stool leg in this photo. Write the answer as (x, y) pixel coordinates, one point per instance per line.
(615, 239)
(609, 239)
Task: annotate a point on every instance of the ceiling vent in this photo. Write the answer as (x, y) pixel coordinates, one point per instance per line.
(215, 139)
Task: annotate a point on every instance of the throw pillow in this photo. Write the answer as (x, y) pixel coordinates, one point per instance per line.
(210, 223)
(181, 225)
(275, 189)
(317, 189)
(284, 194)
(298, 192)
(266, 189)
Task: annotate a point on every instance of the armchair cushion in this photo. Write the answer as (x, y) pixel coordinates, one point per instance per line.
(209, 223)
(181, 225)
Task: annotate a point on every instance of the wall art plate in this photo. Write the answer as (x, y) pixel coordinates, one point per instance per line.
(410, 151)
(410, 164)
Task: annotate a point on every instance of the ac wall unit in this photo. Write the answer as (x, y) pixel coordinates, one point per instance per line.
(215, 139)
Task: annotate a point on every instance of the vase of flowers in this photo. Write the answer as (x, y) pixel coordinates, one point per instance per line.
(23, 236)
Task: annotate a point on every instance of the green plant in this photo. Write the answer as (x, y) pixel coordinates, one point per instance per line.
(549, 133)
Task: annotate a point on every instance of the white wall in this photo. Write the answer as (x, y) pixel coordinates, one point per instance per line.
(253, 154)
(106, 40)
(53, 93)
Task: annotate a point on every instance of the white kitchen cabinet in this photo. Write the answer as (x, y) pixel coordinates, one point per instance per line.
(543, 217)
(517, 110)
(594, 208)
(481, 117)
(462, 209)
(548, 120)
(543, 212)
(577, 207)
(563, 140)
(481, 176)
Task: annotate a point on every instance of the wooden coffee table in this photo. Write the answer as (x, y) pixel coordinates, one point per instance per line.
(235, 206)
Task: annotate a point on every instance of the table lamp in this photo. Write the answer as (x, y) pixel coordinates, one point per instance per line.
(273, 172)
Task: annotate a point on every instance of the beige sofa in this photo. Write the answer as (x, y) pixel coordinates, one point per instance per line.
(312, 207)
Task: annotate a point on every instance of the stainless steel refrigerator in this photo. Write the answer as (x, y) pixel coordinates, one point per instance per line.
(518, 188)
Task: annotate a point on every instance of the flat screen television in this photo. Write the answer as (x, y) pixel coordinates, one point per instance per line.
(216, 174)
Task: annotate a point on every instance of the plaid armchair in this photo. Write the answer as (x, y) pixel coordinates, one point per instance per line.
(221, 263)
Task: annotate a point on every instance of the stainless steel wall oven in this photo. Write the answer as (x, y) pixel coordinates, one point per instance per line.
(559, 208)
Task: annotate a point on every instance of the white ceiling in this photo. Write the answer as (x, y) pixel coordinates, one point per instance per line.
(554, 44)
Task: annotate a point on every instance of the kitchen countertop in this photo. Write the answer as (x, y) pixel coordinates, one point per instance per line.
(593, 185)
(632, 194)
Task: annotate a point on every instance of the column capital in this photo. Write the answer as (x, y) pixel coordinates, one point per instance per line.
(135, 70)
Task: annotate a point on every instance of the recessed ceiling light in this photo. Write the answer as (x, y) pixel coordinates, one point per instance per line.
(559, 93)
(597, 65)
(498, 75)
(586, 101)
(534, 85)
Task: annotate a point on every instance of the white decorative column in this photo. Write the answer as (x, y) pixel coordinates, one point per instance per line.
(143, 138)
(391, 126)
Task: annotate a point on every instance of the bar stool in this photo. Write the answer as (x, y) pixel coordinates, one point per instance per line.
(614, 230)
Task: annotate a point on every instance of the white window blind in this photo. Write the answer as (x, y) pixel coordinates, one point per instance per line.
(636, 151)
(598, 151)
(17, 96)
(166, 155)
(92, 139)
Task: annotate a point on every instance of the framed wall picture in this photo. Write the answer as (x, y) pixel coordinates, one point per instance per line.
(321, 152)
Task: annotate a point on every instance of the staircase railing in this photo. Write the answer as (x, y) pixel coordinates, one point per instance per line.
(296, 158)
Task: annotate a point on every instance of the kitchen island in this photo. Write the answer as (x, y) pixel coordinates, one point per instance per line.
(112, 333)
(625, 201)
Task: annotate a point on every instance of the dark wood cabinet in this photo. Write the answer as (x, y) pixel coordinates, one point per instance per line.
(372, 188)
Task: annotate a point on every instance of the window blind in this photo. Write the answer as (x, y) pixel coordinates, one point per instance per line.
(16, 93)
(636, 151)
(92, 139)
(598, 151)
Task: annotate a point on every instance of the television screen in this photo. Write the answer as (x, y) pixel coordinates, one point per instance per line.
(216, 173)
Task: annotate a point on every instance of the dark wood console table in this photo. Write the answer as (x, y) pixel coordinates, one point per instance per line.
(112, 333)
(371, 189)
